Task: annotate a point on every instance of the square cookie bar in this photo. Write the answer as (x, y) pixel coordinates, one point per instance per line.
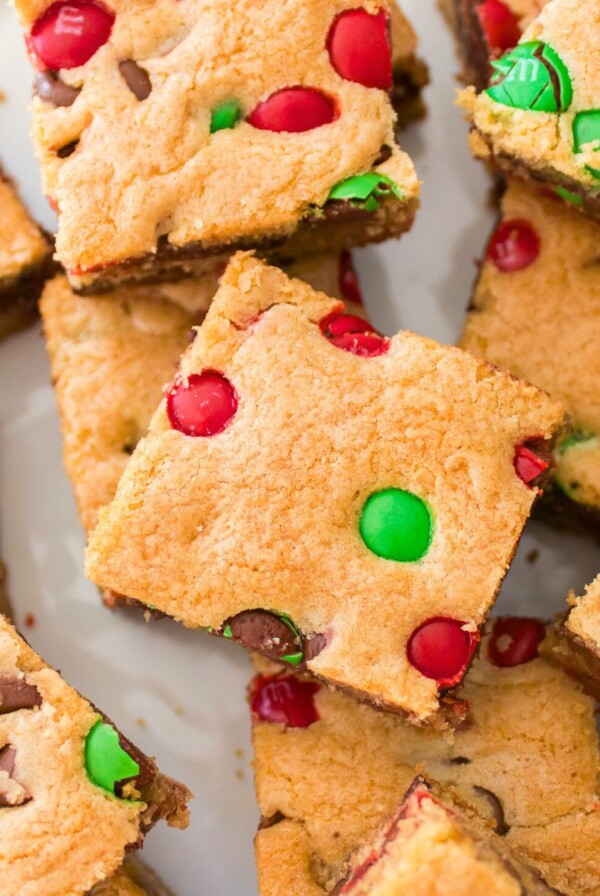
(25, 262)
(317, 491)
(540, 116)
(432, 844)
(65, 774)
(536, 311)
(485, 29)
(215, 125)
(329, 770)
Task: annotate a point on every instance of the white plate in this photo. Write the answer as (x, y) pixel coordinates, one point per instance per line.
(180, 695)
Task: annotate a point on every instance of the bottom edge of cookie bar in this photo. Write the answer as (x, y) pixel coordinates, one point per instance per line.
(19, 297)
(470, 42)
(578, 657)
(341, 225)
(410, 77)
(557, 510)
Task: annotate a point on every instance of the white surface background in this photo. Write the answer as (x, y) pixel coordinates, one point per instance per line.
(180, 695)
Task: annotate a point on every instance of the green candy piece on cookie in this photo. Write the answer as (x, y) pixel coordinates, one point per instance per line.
(572, 198)
(397, 525)
(106, 762)
(365, 189)
(586, 131)
(532, 76)
(225, 116)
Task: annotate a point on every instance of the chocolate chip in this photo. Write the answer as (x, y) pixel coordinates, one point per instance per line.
(11, 792)
(460, 760)
(8, 755)
(313, 645)
(497, 809)
(16, 694)
(270, 821)
(52, 89)
(385, 153)
(264, 632)
(67, 150)
(136, 78)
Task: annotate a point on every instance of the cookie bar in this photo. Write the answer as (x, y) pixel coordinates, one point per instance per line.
(305, 474)
(432, 844)
(25, 262)
(133, 879)
(329, 770)
(65, 774)
(204, 119)
(575, 641)
(485, 29)
(540, 116)
(535, 311)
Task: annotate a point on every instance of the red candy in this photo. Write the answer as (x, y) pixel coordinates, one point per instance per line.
(514, 246)
(285, 701)
(69, 32)
(529, 465)
(360, 48)
(500, 26)
(515, 641)
(348, 281)
(440, 649)
(293, 110)
(201, 405)
(353, 334)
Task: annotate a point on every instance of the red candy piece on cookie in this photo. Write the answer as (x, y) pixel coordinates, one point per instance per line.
(285, 701)
(360, 48)
(499, 24)
(514, 246)
(515, 641)
(440, 649)
(201, 405)
(529, 465)
(69, 32)
(354, 334)
(348, 281)
(293, 110)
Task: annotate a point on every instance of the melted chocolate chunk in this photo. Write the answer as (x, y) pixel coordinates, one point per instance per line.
(270, 821)
(497, 809)
(460, 760)
(16, 694)
(52, 89)
(15, 795)
(264, 632)
(314, 645)
(136, 78)
(67, 150)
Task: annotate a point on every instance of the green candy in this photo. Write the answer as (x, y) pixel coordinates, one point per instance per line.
(573, 198)
(586, 129)
(225, 116)
(396, 525)
(106, 761)
(294, 659)
(366, 189)
(576, 438)
(532, 76)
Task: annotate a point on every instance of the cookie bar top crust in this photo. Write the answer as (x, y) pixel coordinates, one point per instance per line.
(65, 774)
(172, 130)
(329, 770)
(541, 114)
(536, 311)
(337, 476)
(433, 844)
(111, 356)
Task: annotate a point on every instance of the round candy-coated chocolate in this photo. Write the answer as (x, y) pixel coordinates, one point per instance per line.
(293, 110)
(69, 32)
(528, 464)
(586, 130)
(514, 246)
(532, 76)
(367, 189)
(441, 649)
(106, 762)
(267, 631)
(201, 405)
(354, 334)
(360, 48)
(397, 525)
(499, 24)
(348, 280)
(515, 641)
(225, 116)
(285, 700)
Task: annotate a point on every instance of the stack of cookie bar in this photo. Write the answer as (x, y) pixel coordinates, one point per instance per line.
(251, 458)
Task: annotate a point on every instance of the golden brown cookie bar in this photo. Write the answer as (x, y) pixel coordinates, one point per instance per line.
(133, 879)
(319, 492)
(540, 116)
(25, 261)
(329, 770)
(541, 264)
(485, 29)
(434, 845)
(67, 774)
(166, 143)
